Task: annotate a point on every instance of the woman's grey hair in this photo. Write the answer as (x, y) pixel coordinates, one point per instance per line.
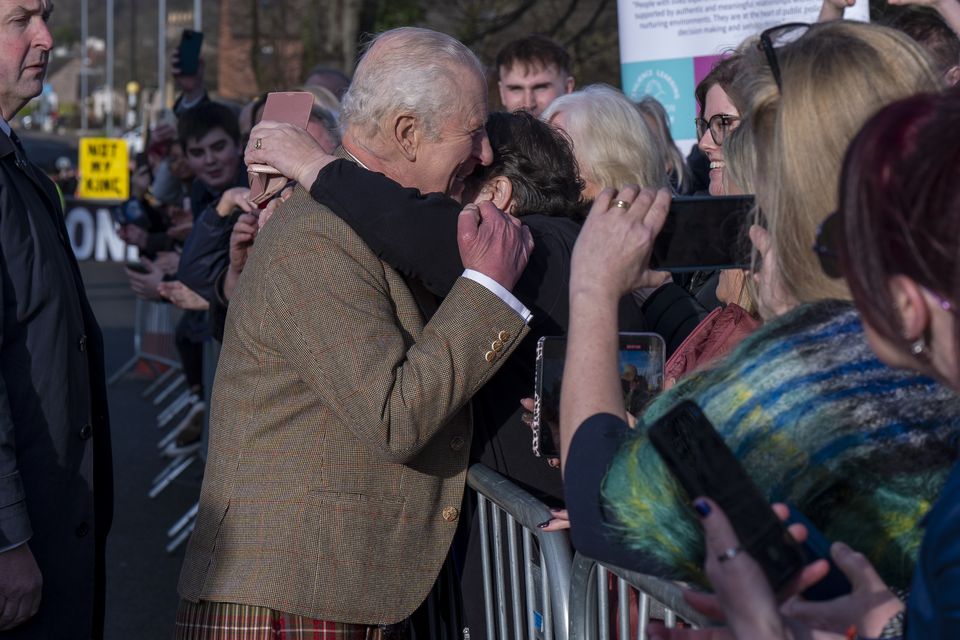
(613, 143)
(407, 70)
(656, 115)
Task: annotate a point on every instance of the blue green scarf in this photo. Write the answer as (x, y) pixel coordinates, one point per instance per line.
(817, 420)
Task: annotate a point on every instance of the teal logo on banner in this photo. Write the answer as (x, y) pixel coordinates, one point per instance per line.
(669, 81)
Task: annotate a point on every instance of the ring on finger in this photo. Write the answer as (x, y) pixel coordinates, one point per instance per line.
(729, 554)
(258, 143)
(623, 204)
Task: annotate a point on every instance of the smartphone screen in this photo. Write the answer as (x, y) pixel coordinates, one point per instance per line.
(641, 361)
(704, 465)
(189, 52)
(703, 233)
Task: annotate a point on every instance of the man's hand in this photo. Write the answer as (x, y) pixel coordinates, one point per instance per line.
(234, 198)
(168, 262)
(20, 586)
(289, 149)
(241, 242)
(145, 284)
(493, 243)
(182, 296)
(133, 234)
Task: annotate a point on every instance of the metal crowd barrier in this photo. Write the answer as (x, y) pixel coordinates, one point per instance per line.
(153, 340)
(534, 604)
(590, 593)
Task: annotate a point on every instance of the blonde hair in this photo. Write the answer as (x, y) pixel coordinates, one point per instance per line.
(613, 143)
(834, 78)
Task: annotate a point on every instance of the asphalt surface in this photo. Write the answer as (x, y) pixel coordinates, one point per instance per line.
(141, 575)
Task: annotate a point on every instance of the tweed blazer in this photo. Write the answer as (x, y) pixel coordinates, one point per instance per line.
(339, 429)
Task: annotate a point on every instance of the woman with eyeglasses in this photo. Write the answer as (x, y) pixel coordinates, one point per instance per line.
(814, 416)
(896, 237)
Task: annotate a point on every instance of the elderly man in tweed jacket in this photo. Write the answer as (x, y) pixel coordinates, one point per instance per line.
(340, 428)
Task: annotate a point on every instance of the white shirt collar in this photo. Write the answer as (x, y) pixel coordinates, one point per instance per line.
(5, 126)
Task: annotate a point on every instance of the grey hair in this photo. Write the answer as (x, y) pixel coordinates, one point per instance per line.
(613, 143)
(655, 112)
(328, 119)
(407, 70)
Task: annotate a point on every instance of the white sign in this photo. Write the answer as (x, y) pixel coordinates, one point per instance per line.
(93, 236)
(668, 46)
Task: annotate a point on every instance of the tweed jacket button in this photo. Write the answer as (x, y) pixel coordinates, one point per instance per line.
(496, 345)
(450, 514)
(490, 356)
(83, 343)
(86, 431)
(503, 336)
(456, 443)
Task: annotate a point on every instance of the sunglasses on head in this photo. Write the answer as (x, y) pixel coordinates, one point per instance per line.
(776, 37)
(826, 245)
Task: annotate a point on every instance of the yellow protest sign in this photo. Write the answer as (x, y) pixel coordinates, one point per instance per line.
(104, 170)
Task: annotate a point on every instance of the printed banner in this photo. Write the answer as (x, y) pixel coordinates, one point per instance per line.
(668, 46)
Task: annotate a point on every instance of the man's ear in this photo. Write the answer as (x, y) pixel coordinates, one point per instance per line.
(911, 305)
(568, 84)
(407, 136)
(502, 190)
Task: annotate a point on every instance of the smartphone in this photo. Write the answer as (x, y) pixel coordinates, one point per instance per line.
(137, 267)
(641, 362)
(705, 466)
(292, 107)
(704, 233)
(816, 546)
(189, 52)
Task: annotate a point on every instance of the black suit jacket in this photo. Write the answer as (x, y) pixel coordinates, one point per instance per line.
(418, 237)
(55, 461)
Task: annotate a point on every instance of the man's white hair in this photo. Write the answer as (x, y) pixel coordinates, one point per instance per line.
(407, 70)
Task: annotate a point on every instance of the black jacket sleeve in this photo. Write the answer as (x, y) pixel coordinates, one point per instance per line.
(206, 253)
(416, 234)
(673, 313)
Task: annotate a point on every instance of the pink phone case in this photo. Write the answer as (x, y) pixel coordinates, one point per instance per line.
(292, 107)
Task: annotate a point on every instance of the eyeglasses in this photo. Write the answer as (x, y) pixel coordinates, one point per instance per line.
(719, 126)
(828, 237)
(779, 36)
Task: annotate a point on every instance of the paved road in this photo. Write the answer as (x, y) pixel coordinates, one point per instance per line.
(141, 576)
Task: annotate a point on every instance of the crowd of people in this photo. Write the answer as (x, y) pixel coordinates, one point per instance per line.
(374, 324)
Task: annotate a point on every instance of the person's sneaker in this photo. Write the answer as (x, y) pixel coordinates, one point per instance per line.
(175, 450)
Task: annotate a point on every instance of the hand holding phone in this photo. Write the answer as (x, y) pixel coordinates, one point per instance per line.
(188, 52)
(640, 365)
(704, 465)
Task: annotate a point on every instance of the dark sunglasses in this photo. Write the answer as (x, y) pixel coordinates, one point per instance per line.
(827, 243)
(776, 37)
(719, 126)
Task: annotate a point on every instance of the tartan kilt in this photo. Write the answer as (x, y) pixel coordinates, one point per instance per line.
(207, 620)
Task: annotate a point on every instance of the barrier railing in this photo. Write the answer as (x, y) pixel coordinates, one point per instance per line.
(153, 338)
(591, 589)
(535, 603)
